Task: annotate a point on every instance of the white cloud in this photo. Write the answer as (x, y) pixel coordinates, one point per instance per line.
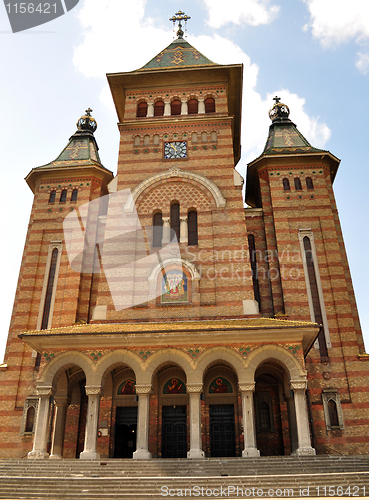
(362, 64)
(253, 12)
(338, 21)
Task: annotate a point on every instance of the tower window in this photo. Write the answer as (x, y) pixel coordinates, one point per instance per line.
(137, 140)
(156, 139)
(63, 196)
(194, 137)
(74, 195)
(192, 228)
(174, 219)
(309, 183)
(175, 107)
(159, 108)
(209, 105)
(157, 231)
(204, 137)
(286, 185)
(49, 289)
(298, 186)
(214, 137)
(193, 107)
(141, 110)
(52, 197)
(146, 140)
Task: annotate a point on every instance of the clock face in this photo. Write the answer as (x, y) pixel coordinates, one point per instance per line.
(176, 149)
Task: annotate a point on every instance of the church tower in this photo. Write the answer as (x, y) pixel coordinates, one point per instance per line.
(155, 316)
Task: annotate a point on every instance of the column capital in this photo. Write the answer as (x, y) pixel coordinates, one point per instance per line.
(166, 220)
(183, 218)
(93, 390)
(143, 389)
(194, 388)
(45, 390)
(246, 387)
(297, 385)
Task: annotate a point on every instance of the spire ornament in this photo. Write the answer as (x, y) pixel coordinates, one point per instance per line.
(180, 16)
(87, 122)
(279, 111)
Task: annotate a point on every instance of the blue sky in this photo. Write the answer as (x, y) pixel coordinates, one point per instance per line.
(313, 53)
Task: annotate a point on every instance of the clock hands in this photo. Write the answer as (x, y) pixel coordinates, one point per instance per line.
(175, 149)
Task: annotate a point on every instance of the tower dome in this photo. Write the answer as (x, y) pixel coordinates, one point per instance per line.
(87, 122)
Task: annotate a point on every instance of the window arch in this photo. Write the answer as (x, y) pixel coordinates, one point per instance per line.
(298, 186)
(156, 139)
(210, 105)
(309, 183)
(30, 419)
(204, 137)
(193, 107)
(194, 137)
(74, 195)
(141, 110)
(214, 136)
(146, 140)
(286, 185)
(137, 140)
(63, 196)
(49, 289)
(192, 228)
(175, 107)
(157, 230)
(52, 197)
(159, 108)
(174, 219)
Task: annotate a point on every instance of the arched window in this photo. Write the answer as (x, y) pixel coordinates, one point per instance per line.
(194, 137)
(74, 195)
(63, 196)
(309, 183)
(159, 108)
(137, 140)
(214, 137)
(254, 267)
(52, 197)
(204, 137)
(286, 185)
(192, 228)
(156, 139)
(141, 110)
(157, 230)
(146, 140)
(209, 105)
(175, 107)
(298, 186)
(174, 219)
(333, 414)
(30, 420)
(264, 417)
(193, 107)
(49, 290)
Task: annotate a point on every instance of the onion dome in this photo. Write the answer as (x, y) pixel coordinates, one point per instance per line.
(280, 111)
(87, 122)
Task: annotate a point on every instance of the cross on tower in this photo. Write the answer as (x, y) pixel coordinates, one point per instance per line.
(276, 99)
(89, 111)
(179, 16)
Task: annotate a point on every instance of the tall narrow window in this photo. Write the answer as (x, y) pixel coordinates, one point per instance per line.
(157, 234)
(315, 295)
(193, 107)
(63, 196)
(137, 140)
(204, 137)
(175, 107)
(298, 186)
(30, 419)
(333, 414)
(264, 417)
(52, 197)
(214, 137)
(194, 137)
(141, 109)
(254, 268)
(159, 108)
(146, 140)
(209, 105)
(156, 139)
(74, 195)
(309, 183)
(174, 219)
(286, 185)
(192, 228)
(49, 290)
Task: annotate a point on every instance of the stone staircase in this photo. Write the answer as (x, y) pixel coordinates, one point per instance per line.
(233, 478)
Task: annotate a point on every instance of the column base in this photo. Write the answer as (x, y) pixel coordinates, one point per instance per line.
(250, 452)
(195, 454)
(37, 455)
(301, 452)
(141, 455)
(55, 457)
(89, 455)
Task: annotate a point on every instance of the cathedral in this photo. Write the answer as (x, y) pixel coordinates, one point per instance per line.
(157, 317)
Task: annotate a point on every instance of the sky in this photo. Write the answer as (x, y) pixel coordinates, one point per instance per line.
(314, 54)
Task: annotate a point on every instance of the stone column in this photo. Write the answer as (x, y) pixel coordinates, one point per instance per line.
(150, 109)
(92, 419)
(166, 231)
(302, 421)
(183, 230)
(195, 391)
(201, 105)
(184, 107)
(61, 405)
(247, 396)
(42, 423)
(292, 424)
(143, 420)
(167, 108)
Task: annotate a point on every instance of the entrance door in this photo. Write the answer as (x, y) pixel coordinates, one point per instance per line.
(125, 431)
(174, 432)
(222, 432)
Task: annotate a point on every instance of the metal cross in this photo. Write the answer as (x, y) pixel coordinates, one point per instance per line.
(180, 16)
(276, 99)
(89, 111)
